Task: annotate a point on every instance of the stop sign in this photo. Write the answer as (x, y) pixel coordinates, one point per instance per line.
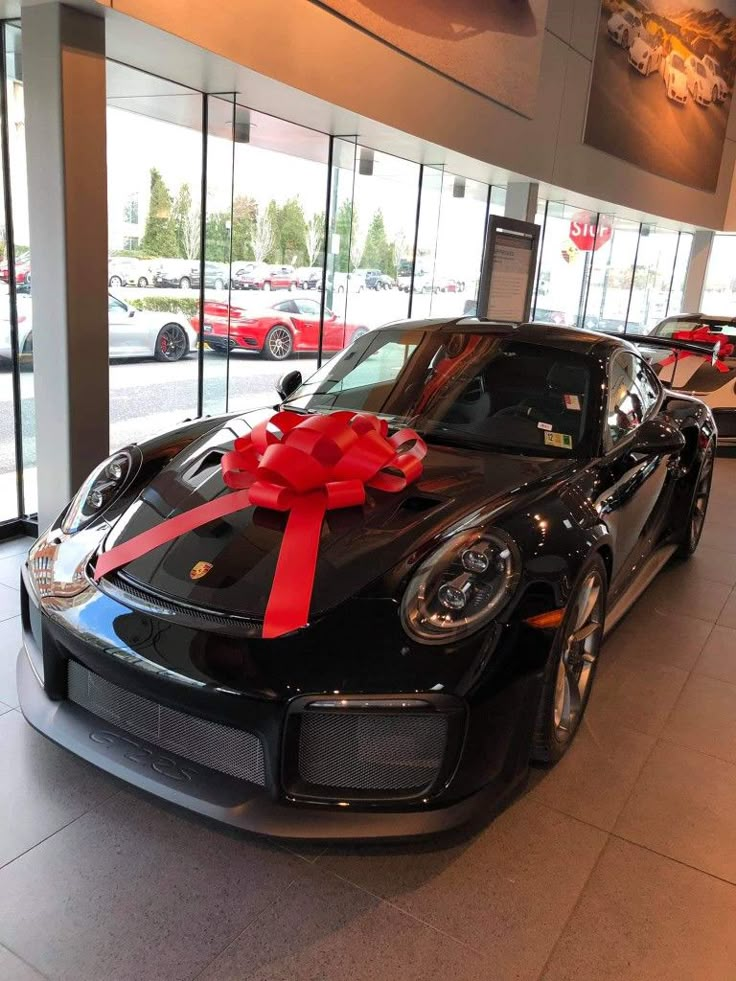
(583, 231)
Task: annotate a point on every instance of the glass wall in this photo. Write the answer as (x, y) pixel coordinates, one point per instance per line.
(719, 295)
(607, 273)
(18, 492)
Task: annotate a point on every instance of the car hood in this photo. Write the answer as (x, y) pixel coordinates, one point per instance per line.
(358, 545)
(640, 48)
(616, 22)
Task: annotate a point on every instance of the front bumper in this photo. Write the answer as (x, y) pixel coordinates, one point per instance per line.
(482, 761)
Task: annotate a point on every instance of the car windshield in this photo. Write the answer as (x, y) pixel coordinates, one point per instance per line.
(678, 63)
(650, 39)
(699, 69)
(629, 17)
(474, 388)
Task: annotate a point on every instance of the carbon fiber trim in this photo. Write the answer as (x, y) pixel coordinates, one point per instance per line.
(232, 751)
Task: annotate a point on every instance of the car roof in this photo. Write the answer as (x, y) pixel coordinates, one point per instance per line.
(549, 335)
(712, 317)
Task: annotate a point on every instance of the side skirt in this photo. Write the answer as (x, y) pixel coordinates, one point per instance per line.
(647, 573)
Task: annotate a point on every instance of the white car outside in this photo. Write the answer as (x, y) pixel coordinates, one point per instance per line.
(126, 271)
(645, 53)
(719, 89)
(697, 81)
(354, 282)
(133, 333)
(624, 27)
(675, 76)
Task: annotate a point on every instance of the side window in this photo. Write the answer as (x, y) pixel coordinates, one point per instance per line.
(115, 306)
(308, 307)
(646, 382)
(625, 409)
(668, 328)
(287, 306)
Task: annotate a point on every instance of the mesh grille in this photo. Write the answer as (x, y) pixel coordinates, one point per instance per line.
(371, 751)
(212, 744)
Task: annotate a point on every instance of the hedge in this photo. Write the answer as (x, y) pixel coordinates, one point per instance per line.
(187, 305)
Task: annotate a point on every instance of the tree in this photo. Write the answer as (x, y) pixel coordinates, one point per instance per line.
(376, 250)
(263, 237)
(187, 224)
(344, 228)
(291, 233)
(159, 238)
(315, 238)
(245, 216)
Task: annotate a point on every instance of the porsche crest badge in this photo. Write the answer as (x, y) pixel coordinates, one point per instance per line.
(200, 570)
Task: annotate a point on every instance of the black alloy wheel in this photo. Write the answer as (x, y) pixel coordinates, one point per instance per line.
(699, 506)
(278, 345)
(172, 343)
(571, 667)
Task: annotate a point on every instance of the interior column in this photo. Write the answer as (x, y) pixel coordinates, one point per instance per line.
(65, 95)
(697, 269)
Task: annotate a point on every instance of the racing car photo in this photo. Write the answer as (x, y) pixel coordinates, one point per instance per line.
(362, 612)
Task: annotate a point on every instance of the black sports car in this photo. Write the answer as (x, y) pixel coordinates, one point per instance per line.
(424, 645)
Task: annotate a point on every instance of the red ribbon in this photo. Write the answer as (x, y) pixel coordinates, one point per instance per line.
(702, 336)
(306, 467)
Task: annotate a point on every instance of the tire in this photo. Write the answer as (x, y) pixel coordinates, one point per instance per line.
(219, 284)
(570, 671)
(172, 343)
(185, 283)
(279, 344)
(266, 286)
(115, 281)
(698, 505)
(142, 282)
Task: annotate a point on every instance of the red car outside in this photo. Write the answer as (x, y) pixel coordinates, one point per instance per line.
(22, 272)
(278, 331)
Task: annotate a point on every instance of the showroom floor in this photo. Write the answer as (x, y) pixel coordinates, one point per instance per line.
(618, 864)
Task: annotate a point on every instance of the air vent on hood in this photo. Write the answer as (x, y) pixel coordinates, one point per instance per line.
(208, 461)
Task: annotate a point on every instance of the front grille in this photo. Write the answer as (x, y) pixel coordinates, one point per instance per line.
(120, 588)
(219, 747)
(371, 751)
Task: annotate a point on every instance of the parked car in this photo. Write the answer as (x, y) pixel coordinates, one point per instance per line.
(711, 376)
(248, 275)
(278, 331)
(624, 27)
(675, 75)
(22, 273)
(697, 81)
(414, 647)
(718, 86)
(124, 271)
(24, 313)
(280, 278)
(646, 53)
(449, 284)
(181, 273)
(309, 278)
(354, 282)
(374, 279)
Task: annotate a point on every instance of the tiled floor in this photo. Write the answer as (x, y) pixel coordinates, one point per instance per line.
(618, 864)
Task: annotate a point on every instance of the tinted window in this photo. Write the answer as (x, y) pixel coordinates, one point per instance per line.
(286, 306)
(632, 395)
(469, 387)
(308, 307)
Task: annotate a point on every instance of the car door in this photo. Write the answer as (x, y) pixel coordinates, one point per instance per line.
(307, 320)
(123, 335)
(635, 484)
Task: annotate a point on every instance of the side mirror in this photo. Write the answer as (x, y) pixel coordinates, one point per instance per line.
(658, 436)
(131, 311)
(288, 384)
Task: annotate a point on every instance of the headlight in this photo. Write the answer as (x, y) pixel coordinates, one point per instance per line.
(461, 587)
(101, 488)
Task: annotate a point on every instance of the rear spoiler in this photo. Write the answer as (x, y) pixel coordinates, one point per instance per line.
(708, 351)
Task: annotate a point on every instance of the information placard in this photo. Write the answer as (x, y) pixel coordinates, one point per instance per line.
(509, 264)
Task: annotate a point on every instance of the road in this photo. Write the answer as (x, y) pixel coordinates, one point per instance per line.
(147, 397)
(631, 117)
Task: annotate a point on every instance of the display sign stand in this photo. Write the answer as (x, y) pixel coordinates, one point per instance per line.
(507, 273)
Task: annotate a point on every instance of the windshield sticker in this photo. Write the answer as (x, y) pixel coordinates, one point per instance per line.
(558, 439)
(572, 402)
(547, 426)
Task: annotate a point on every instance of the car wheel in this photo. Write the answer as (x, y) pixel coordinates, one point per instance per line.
(699, 505)
(116, 281)
(568, 677)
(267, 286)
(142, 282)
(340, 289)
(219, 284)
(185, 283)
(278, 345)
(172, 343)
